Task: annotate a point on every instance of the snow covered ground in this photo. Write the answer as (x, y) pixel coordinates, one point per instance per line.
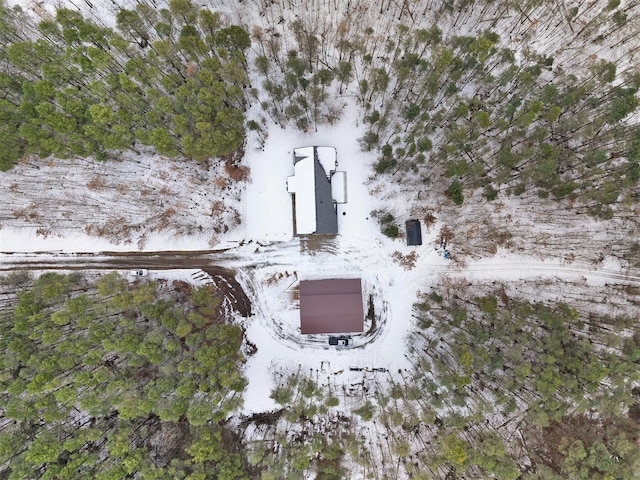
(359, 251)
(135, 202)
(268, 211)
(271, 275)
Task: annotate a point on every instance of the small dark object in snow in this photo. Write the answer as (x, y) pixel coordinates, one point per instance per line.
(141, 272)
(341, 341)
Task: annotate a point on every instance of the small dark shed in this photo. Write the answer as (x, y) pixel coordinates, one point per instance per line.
(414, 232)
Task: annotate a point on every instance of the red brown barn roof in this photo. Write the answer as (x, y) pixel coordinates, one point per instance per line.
(331, 306)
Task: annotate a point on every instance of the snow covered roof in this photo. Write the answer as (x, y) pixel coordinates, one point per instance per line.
(339, 187)
(315, 211)
(331, 306)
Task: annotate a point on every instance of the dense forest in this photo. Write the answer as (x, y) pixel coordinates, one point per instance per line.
(110, 379)
(170, 78)
(515, 124)
(472, 108)
(560, 378)
(452, 102)
(106, 379)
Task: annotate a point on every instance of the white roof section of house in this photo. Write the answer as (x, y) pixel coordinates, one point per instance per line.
(304, 152)
(328, 158)
(303, 185)
(339, 187)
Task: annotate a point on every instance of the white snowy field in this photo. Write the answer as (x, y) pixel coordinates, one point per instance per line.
(135, 202)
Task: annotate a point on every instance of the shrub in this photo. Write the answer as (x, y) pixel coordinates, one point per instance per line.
(386, 225)
(490, 193)
(488, 304)
(391, 231)
(402, 449)
(332, 401)
(454, 192)
(238, 173)
(374, 117)
(564, 189)
(369, 141)
(384, 165)
(282, 395)
(435, 297)
(388, 218)
(366, 411)
(519, 189)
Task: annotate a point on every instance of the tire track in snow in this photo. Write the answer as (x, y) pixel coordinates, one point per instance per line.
(259, 256)
(522, 270)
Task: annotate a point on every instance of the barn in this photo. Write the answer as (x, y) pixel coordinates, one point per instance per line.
(331, 306)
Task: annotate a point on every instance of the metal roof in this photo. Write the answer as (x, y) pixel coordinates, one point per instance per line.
(326, 216)
(315, 210)
(331, 306)
(414, 233)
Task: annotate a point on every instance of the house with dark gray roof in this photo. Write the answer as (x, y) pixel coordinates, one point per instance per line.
(314, 205)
